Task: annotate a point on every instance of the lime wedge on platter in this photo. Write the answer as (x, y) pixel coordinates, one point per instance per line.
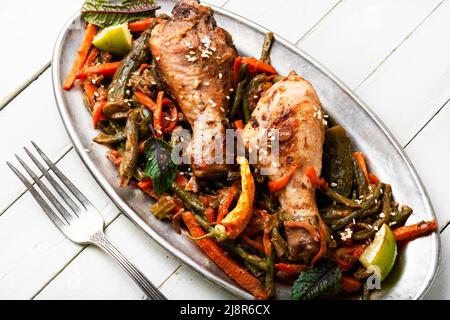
(115, 39)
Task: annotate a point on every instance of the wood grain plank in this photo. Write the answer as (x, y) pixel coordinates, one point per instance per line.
(32, 26)
(430, 153)
(357, 35)
(410, 86)
(290, 19)
(94, 275)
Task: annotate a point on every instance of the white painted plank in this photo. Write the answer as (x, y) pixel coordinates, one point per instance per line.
(289, 18)
(357, 35)
(415, 81)
(187, 284)
(30, 116)
(31, 27)
(430, 154)
(32, 249)
(94, 275)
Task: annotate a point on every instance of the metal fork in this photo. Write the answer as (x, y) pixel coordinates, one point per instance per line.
(79, 220)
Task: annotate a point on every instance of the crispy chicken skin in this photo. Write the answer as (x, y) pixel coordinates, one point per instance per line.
(292, 108)
(194, 59)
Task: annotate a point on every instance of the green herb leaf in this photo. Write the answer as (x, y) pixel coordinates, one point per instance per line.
(159, 166)
(105, 13)
(324, 278)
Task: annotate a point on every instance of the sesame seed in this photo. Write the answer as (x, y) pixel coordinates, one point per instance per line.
(375, 228)
(382, 215)
(159, 131)
(255, 97)
(228, 97)
(157, 58)
(324, 122)
(192, 52)
(231, 90)
(220, 75)
(128, 92)
(333, 184)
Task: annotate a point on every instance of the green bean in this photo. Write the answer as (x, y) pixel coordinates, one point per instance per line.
(368, 203)
(103, 138)
(253, 270)
(190, 200)
(401, 215)
(360, 180)
(240, 90)
(269, 283)
(333, 195)
(383, 218)
(163, 208)
(271, 207)
(253, 89)
(250, 258)
(279, 243)
(267, 45)
(371, 211)
(334, 212)
(131, 153)
(145, 120)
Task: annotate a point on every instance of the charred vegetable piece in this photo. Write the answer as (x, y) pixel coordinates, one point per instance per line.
(267, 45)
(103, 138)
(117, 94)
(163, 208)
(130, 155)
(401, 216)
(338, 163)
(190, 200)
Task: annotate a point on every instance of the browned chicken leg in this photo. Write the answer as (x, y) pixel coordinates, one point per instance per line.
(194, 59)
(292, 111)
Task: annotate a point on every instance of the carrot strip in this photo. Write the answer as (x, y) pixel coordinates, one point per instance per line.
(89, 35)
(225, 204)
(158, 115)
(181, 180)
(315, 180)
(255, 66)
(91, 57)
(90, 89)
(281, 183)
(142, 25)
(145, 184)
(210, 214)
(229, 266)
(373, 179)
(142, 98)
(348, 284)
(97, 113)
(323, 241)
(255, 244)
(414, 230)
(236, 67)
(106, 69)
(238, 125)
(290, 268)
(359, 157)
(172, 123)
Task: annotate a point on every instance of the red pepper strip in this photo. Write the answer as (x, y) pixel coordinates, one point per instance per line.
(236, 67)
(142, 98)
(158, 115)
(106, 69)
(97, 113)
(414, 230)
(181, 180)
(359, 157)
(89, 35)
(281, 183)
(255, 244)
(90, 89)
(348, 284)
(373, 179)
(266, 235)
(315, 180)
(210, 215)
(255, 66)
(216, 253)
(226, 202)
(290, 268)
(142, 25)
(145, 184)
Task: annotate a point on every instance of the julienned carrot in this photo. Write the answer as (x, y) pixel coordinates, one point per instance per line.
(359, 158)
(373, 179)
(348, 284)
(142, 98)
(142, 25)
(254, 243)
(231, 268)
(91, 57)
(236, 67)
(210, 215)
(315, 180)
(145, 184)
(414, 230)
(238, 125)
(90, 89)
(97, 112)
(255, 65)
(225, 204)
(106, 69)
(278, 184)
(290, 268)
(158, 115)
(89, 35)
(170, 125)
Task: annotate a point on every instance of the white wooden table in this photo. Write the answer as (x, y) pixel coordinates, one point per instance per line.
(395, 54)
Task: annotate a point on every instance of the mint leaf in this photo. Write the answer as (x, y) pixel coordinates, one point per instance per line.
(324, 278)
(159, 166)
(105, 13)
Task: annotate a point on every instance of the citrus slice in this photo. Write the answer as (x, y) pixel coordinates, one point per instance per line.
(379, 257)
(115, 39)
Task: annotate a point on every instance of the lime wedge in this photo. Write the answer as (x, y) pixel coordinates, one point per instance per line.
(379, 257)
(115, 39)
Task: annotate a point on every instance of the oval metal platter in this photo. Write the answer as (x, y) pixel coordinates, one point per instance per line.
(417, 261)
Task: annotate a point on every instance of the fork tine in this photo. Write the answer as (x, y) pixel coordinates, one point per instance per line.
(75, 208)
(65, 214)
(77, 193)
(47, 209)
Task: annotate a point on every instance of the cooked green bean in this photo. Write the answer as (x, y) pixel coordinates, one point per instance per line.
(267, 45)
(333, 195)
(401, 215)
(253, 90)
(271, 207)
(250, 258)
(366, 204)
(103, 138)
(334, 212)
(278, 243)
(163, 208)
(253, 270)
(240, 90)
(360, 180)
(131, 153)
(190, 200)
(269, 283)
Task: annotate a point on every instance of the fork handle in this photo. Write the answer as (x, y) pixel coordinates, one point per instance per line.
(100, 240)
